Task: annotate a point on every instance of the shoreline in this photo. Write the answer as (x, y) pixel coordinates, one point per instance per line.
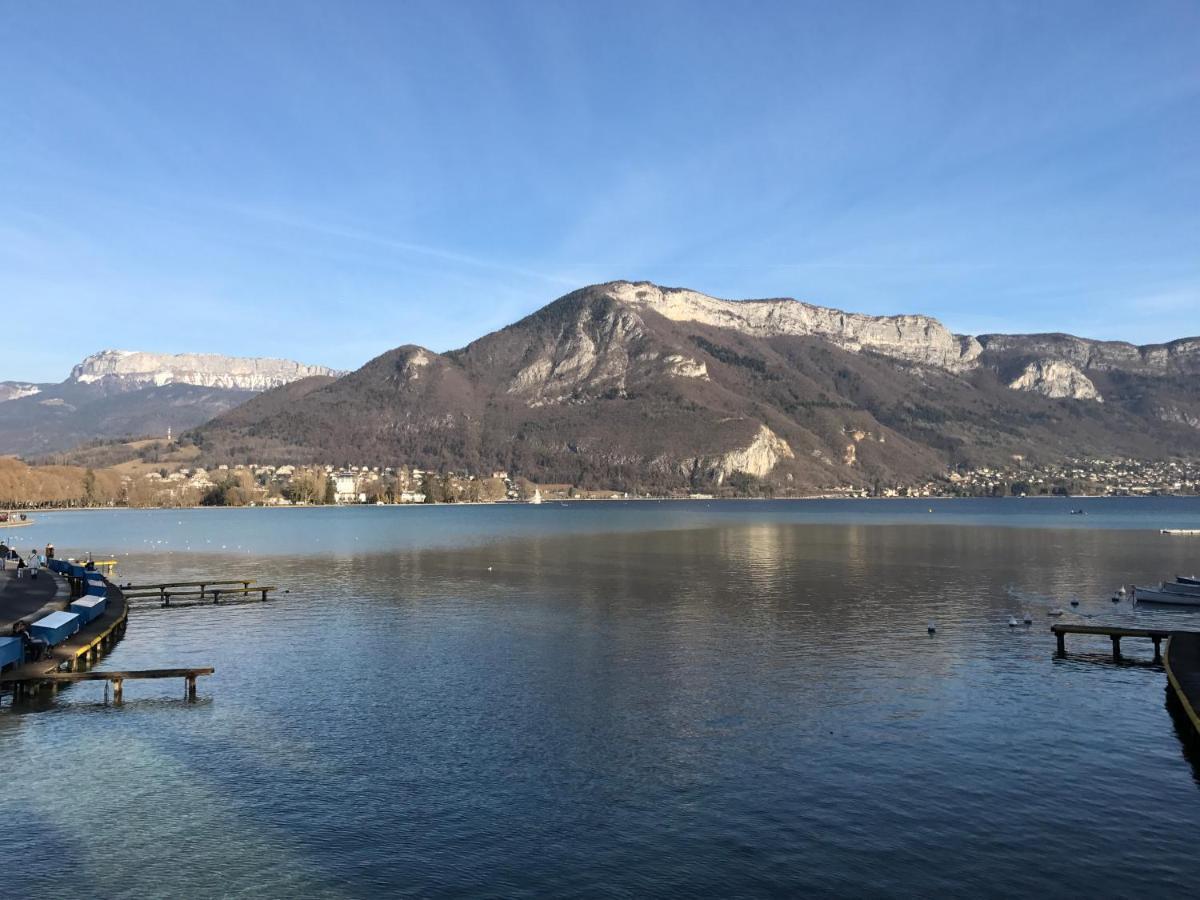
(581, 500)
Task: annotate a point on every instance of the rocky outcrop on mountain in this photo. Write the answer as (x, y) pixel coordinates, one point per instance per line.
(1056, 379)
(15, 390)
(915, 338)
(758, 459)
(116, 393)
(129, 367)
(1181, 357)
(636, 386)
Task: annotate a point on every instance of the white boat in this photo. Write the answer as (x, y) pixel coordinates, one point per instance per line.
(1157, 595)
(1181, 587)
(1187, 579)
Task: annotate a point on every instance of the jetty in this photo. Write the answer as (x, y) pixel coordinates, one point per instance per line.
(1177, 651)
(1114, 633)
(76, 615)
(117, 679)
(208, 589)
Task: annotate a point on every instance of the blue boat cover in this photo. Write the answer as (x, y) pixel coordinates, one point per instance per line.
(56, 627)
(12, 650)
(89, 608)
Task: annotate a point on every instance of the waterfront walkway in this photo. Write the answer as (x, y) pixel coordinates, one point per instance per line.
(1183, 671)
(29, 598)
(82, 648)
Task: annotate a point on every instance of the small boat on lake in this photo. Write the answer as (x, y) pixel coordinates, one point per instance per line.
(1162, 595)
(1187, 579)
(1181, 587)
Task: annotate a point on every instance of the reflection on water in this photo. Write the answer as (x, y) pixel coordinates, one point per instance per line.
(745, 705)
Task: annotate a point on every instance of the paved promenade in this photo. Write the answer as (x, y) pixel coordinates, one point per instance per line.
(25, 597)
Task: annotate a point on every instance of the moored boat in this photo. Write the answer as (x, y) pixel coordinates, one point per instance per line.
(1181, 587)
(1158, 595)
(1187, 579)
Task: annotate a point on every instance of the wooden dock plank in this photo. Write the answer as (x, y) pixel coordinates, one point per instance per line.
(192, 598)
(131, 674)
(134, 588)
(1110, 630)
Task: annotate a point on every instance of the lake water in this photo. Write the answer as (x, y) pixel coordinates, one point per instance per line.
(620, 699)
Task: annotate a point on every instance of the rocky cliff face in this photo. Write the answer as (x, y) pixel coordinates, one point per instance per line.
(1181, 357)
(117, 393)
(759, 458)
(15, 390)
(1056, 379)
(915, 338)
(210, 370)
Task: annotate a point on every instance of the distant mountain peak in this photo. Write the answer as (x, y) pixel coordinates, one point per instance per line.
(134, 367)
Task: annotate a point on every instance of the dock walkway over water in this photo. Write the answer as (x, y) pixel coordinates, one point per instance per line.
(1182, 662)
(73, 614)
(169, 593)
(1114, 633)
(1180, 657)
(75, 652)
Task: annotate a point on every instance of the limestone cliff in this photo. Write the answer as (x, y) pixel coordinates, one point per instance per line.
(758, 458)
(1056, 379)
(210, 370)
(15, 390)
(909, 337)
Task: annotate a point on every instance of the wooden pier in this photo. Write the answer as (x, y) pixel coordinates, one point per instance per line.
(1114, 633)
(117, 679)
(69, 661)
(1180, 657)
(135, 591)
(170, 593)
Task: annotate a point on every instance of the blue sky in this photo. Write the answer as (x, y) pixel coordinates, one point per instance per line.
(325, 181)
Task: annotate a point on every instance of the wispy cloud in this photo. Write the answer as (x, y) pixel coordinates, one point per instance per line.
(362, 236)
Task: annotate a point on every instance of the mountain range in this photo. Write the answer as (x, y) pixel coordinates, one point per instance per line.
(117, 393)
(636, 385)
